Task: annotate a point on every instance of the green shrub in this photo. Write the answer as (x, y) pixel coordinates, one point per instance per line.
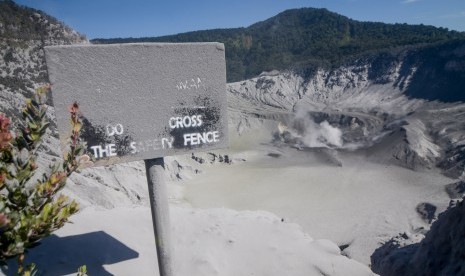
(30, 208)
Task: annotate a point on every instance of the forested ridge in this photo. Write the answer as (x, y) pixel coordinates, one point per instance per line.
(305, 38)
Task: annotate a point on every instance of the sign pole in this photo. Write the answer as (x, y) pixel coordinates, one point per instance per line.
(160, 213)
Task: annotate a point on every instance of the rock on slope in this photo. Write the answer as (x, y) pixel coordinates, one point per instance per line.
(441, 252)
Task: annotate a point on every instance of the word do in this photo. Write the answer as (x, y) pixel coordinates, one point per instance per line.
(201, 138)
(112, 130)
(186, 121)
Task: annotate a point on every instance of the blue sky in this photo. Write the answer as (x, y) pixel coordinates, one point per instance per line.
(138, 18)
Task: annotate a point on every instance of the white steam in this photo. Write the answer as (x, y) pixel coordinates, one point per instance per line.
(321, 135)
(317, 135)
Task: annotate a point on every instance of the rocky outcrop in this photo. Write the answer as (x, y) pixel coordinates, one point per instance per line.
(441, 252)
(23, 34)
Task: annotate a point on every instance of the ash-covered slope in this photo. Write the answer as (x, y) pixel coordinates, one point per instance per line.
(23, 34)
(369, 107)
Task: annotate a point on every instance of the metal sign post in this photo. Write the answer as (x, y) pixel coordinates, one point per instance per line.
(155, 169)
(143, 102)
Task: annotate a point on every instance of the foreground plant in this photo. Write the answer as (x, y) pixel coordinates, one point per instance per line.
(82, 271)
(30, 208)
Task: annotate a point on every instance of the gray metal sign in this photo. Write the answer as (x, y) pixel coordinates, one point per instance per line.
(141, 101)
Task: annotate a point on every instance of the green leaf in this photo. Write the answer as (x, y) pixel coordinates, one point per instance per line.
(44, 127)
(44, 215)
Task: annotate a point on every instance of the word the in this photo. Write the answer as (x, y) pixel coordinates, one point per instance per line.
(112, 130)
(110, 150)
(201, 138)
(186, 121)
(189, 84)
(107, 150)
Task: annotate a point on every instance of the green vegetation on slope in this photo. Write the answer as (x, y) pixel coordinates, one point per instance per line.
(303, 38)
(22, 23)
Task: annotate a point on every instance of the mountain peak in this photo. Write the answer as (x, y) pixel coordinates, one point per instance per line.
(299, 17)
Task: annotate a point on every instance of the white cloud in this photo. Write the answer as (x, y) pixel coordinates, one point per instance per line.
(409, 1)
